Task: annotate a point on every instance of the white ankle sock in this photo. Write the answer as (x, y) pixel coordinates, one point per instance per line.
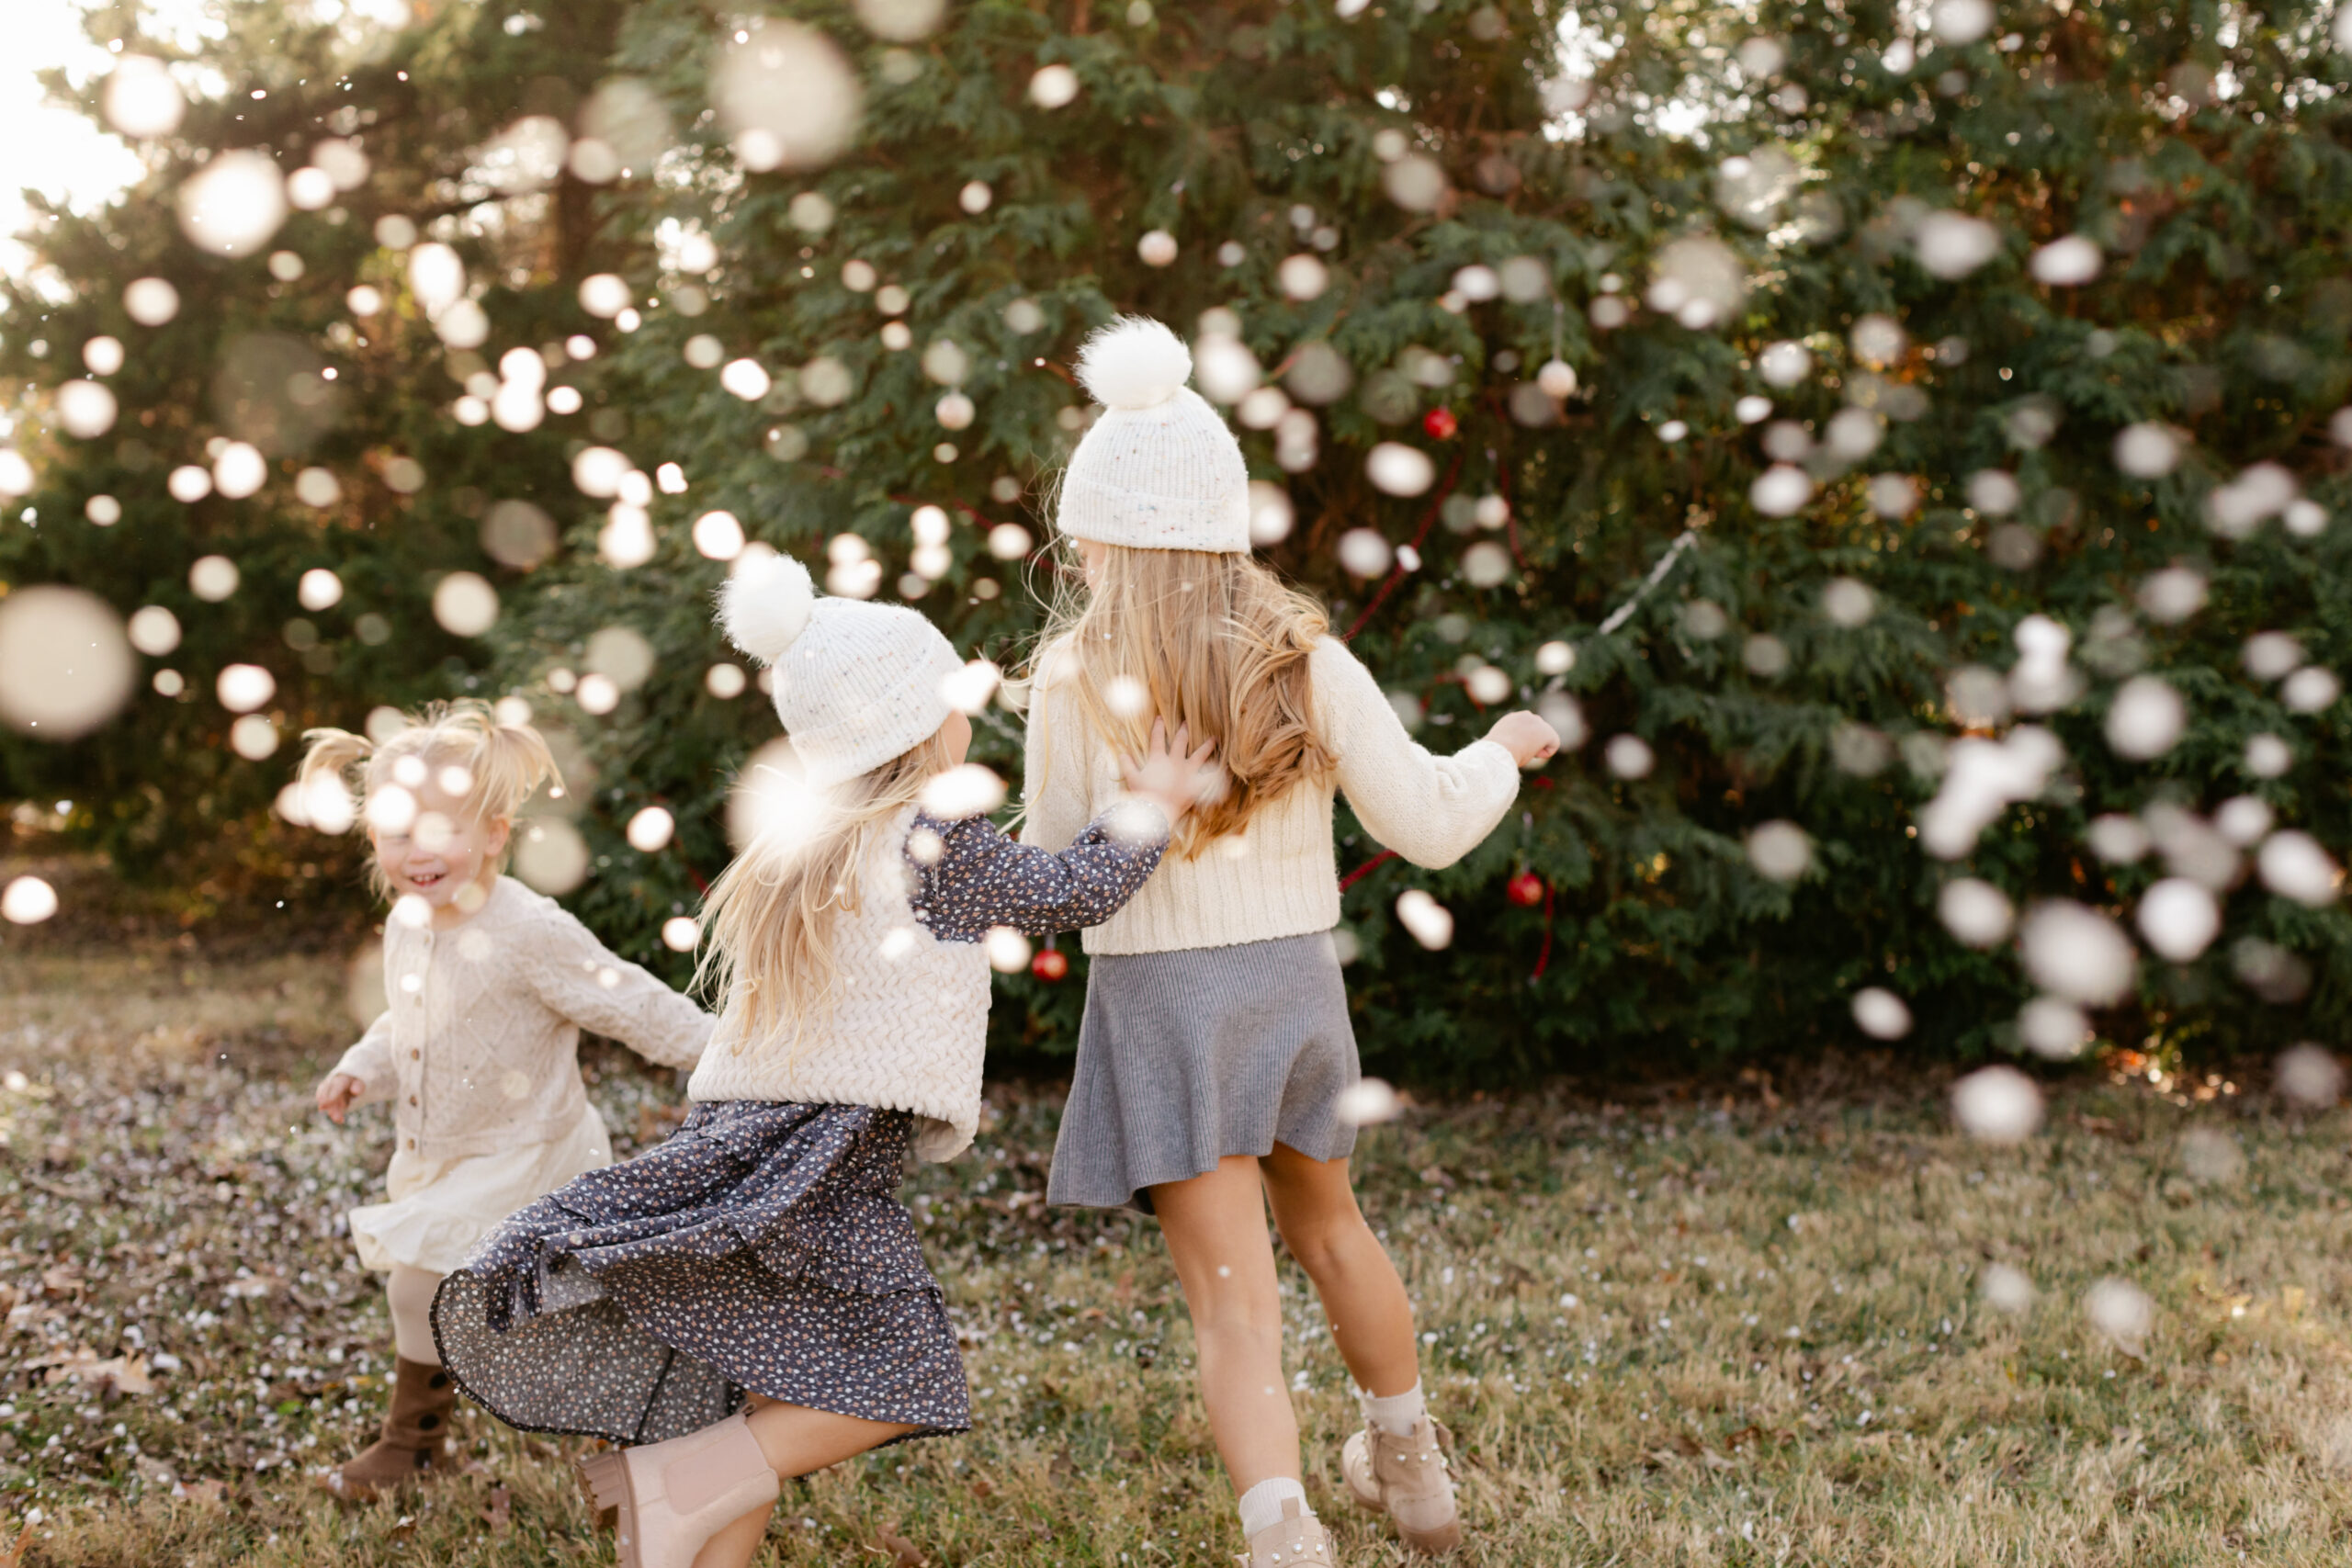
(1396, 1413)
(1261, 1506)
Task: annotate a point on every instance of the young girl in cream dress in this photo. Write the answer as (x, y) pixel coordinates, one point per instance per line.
(489, 986)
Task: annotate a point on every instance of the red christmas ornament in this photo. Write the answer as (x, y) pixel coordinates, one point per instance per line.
(1049, 965)
(1441, 423)
(1526, 889)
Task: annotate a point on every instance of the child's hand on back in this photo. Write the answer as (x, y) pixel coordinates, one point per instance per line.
(1172, 777)
(337, 1094)
(1527, 738)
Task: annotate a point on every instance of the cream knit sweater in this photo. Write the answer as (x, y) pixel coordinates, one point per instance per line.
(1280, 877)
(478, 1051)
(906, 1023)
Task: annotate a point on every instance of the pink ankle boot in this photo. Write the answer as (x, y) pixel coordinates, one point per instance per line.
(673, 1497)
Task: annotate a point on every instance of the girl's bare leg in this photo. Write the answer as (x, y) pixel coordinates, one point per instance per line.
(1215, 1227)
(1371, 1318)
(796, 1440)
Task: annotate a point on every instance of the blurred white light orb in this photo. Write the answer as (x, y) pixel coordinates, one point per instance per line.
(605, 295)
(1430, 922)
(253, 737)
(1557, 379)
(745, 379)
(2244, 819)
(2053, 1028)
(2076, 951)
(2146, 718)
(154, 630)
(28, 901)
(2268, 655)
(310, 189)
(717, 536)
(968, 690)
(1780, 490)
(1365, 553)
(1007, 950)
(1780, 851)
(2311, 689)
(1270, 513)
(2293, 865)
(2118, 839)
(2064, 264)
(597, 694)
(651, 828)
(1224, 368)
(1847, 601)
(1976, 913)
(1010, 541)
(65, 663)
(2267, 756)
(317, 487)
(212, 578)
(1303, 278)
(244, 687)
(1952, 244)
(465, 604)
(151, 301)
(86, 409)
(1366, 1102)
(786, 95)
(724, 681)
(2179, 919)
(954, 411)
(240, 470)
(2172, 596)
(550, 855)
(141, 98)
(1996, 1105)
(1554, 659)
(599, 470)
(2005, 1290)
(1053, 86)
(1784, 364)
(1961, 21)
(2308, 1076)
(679, 933)
(1881, 1014)
(2119, 1309)
(968, 789)
(1484, 565)
(319, 589)
(1157, 248)
(234, 204)
(975, 197)
(1629, 756)
(2146, 451)
(189, 483)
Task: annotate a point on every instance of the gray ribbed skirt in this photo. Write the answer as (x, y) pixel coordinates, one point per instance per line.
(1186, 1058)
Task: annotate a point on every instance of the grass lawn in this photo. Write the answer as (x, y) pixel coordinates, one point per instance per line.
(1707, 1324)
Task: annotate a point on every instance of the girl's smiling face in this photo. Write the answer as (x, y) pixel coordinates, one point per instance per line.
(441, 852)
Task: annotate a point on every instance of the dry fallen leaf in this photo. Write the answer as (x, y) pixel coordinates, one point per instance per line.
(903, 1552)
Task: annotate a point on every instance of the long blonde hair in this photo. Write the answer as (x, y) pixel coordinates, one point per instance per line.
(1207, 642)
(504, 766)
(768, 920)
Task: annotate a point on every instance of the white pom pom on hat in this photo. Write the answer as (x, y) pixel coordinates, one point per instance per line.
(1134, 363)
(766, 604)
(1159, 469)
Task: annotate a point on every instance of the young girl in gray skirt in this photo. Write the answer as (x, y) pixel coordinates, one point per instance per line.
(761, 1255)
(1215, 1043)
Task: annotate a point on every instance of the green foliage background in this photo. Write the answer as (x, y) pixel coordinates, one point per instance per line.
(2206, 152)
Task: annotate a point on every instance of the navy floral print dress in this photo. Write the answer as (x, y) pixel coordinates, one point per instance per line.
(762, 1247)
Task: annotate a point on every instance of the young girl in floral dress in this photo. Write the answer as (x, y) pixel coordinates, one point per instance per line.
(1216, 1043)
(748, 1302)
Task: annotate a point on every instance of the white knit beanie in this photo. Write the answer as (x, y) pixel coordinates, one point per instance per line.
(856, 684)
(1160, 470)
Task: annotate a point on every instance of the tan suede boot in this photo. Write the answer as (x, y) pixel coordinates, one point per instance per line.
(414, 1445)
(1406, 1479)
(673, 1497)
(1296, 1541)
